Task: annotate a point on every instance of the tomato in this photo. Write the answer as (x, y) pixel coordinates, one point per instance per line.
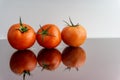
(48, 36)
(49, 59)
(22, 62)
(73, 57)
(21, 36)
(74, 35)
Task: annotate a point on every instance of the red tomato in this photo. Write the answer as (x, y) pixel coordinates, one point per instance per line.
(49, 58)
(23, 61)
(21, 36)
(49, 36)
(74, 35)
(73, 57)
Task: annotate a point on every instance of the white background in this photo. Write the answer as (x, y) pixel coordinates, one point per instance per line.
(101, 18)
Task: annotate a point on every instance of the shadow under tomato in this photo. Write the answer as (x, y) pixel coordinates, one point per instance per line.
(22, 62)
(49, 59)
(73, 57)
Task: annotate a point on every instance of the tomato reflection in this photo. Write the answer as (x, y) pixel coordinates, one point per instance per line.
(22, 62)
(49, 59)
(73, 57)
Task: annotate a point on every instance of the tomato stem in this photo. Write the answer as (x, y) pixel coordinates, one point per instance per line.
(67, 23)
(77, 68)
(22, 28)
(71, 23)
(44, 66)
(41, 27)
(21, 22)
(24, 74)
(68, 68)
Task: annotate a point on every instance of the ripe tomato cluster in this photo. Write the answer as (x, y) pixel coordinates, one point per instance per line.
(23, 62)
(22, 36)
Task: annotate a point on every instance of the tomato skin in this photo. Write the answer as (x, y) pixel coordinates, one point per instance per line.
(51, 40)
(19, 40)
(73, 57)
(74, 36)
(49, 59)
(23, 60)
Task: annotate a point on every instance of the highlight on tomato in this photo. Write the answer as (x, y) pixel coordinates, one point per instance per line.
(23, 62)
(73, 34)
(48, 36)
(21, 36)
(73, 57)
(49, 59)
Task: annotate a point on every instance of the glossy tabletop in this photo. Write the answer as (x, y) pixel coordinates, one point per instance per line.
(100, 61)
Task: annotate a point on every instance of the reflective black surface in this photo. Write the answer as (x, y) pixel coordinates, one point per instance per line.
(101, 61)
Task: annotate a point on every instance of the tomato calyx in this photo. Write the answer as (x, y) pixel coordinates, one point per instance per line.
(44, 32)
(24, 74)
(69, 68)
(71, 23)
(22, 28)
(45, 66)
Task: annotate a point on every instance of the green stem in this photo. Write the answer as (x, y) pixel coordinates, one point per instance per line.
(21, 22)
(68, 68)
(77, 68)
(67, 23)
(22, 28)
(71, 23)
(24, 74)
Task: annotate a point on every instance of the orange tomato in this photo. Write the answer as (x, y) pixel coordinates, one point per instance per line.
(21, 36)
(22, 62)
(74, 35)
(49, 36)
(49, 59)
(73, 57)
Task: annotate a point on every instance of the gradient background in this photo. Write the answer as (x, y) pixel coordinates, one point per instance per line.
(99, 17)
